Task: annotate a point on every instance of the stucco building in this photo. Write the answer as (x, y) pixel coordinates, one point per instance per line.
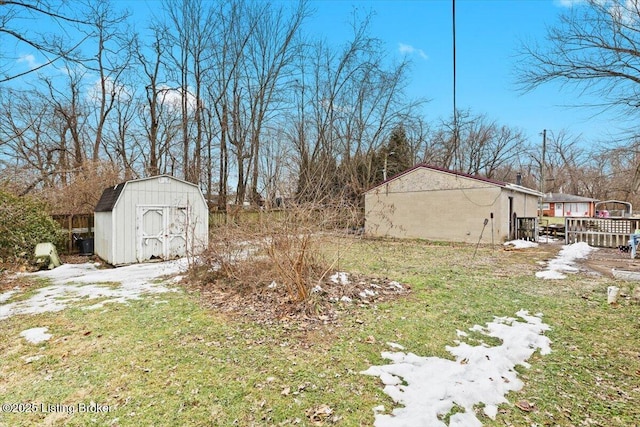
(432, 203)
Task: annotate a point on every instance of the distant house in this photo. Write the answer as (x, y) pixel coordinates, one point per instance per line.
(160, 217)
(568, 205)
(438, 204)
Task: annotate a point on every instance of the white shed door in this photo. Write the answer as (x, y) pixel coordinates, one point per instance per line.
(161, 232)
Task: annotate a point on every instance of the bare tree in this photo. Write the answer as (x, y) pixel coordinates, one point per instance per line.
(233, 35)
(269, 54)
(347, 103)
(120, 135)
(53, 46)
(109, 61)
(594, 48)
(67, 102)
(150, 71)
(482, 147)
(191, 32)
(25, 120)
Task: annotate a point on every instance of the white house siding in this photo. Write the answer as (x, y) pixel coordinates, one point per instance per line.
(436, 205)
(575, 209)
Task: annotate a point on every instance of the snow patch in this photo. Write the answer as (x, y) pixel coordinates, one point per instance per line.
(395, 345)
(36, 335)
(74, 282)
(30, 359)
(521, 244)
(429, 387)
(5, 296)
(565, 261)
(340, 278)
(396, 285)
(367, 293)
(546, 239)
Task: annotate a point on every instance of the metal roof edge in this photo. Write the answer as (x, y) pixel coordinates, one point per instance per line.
(522, 189)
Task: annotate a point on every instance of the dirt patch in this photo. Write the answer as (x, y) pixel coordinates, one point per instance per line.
(268, 304)
(603, 260)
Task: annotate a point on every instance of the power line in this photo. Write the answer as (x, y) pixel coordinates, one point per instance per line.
(455, 113)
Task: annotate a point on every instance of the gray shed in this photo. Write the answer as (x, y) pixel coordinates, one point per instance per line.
(160, 217)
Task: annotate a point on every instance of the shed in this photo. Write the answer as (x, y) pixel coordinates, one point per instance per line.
(568, 205)
(159, 217)
(433, 203)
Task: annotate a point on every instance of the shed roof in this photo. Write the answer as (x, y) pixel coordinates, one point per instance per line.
(566, 198)
(495, 182)
(109, 198)
(110, 195)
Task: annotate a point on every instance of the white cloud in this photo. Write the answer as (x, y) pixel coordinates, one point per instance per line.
(30, 60)
(407, 49)
(567, 3)
(95, 91)
(172, 98)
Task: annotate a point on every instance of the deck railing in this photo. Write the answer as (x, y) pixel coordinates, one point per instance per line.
(600, 232)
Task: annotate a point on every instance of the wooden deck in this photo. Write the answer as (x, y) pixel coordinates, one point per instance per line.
(600, 232)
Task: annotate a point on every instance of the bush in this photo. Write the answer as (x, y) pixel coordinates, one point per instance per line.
(24, 223)
(278, 248)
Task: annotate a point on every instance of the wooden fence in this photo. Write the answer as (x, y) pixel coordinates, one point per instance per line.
(324, 218)
(77, 226)
(601, 232)
(243, 217)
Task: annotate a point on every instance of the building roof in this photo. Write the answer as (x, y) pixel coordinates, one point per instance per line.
(109, 198)
(110, 195)
(566, 198)
(495, 182)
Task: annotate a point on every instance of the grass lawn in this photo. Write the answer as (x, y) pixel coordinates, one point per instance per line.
(166, 360)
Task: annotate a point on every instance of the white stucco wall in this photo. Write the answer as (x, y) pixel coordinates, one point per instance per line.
(435, 205)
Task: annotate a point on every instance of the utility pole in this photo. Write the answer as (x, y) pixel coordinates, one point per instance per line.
(542, 167)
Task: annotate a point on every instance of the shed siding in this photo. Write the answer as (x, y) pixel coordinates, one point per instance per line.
(103, 239)
(159, 191)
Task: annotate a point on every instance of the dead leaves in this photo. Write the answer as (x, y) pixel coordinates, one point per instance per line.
(525, 405)
(268, 303)
(321, 414)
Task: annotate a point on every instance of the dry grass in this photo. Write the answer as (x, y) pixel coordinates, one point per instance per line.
(189, 362)
(284, 251)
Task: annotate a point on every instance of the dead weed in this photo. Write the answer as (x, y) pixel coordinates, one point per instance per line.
(269, 302)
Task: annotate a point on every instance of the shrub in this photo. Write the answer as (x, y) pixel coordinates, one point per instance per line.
(24, 222)
(278, 248)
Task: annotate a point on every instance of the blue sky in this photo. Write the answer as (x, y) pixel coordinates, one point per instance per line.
(488, 34)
